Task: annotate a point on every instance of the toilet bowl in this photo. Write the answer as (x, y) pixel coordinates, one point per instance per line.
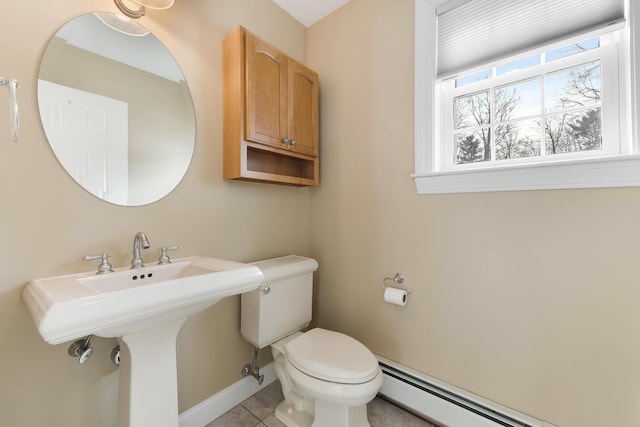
(327, 377)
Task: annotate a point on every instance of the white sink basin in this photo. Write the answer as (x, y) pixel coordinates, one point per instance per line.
(145, 309)
(128, 300)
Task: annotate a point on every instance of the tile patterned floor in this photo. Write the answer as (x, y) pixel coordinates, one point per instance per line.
(258, 410)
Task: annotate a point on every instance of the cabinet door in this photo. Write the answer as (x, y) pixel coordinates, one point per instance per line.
(266, 112)
(302, 109)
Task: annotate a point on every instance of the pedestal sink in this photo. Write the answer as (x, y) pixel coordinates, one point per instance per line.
(144, 308)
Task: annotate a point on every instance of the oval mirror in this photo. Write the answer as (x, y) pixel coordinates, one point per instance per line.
(116, 109)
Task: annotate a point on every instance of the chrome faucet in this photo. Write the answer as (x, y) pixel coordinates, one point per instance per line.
(140, 241)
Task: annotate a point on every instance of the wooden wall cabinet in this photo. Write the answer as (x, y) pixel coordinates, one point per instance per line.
(270, 114)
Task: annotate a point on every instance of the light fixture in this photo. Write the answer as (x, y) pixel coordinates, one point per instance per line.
(122, 24)
(142, 5)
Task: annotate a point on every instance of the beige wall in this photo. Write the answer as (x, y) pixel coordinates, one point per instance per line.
(526, 298)
(48, 222)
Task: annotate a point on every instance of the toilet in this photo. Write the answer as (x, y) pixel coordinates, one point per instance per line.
(327, 377)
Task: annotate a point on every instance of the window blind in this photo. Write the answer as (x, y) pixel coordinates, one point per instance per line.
(477, 32)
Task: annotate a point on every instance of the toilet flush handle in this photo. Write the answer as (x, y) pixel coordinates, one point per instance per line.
(265, 289)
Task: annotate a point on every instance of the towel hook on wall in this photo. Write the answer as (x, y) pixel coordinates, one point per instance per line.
(12, 84)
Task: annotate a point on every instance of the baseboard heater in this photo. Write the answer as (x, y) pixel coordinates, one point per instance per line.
(444, 404)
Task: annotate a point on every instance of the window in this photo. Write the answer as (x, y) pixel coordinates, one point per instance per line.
(556, 116)
(543, 107)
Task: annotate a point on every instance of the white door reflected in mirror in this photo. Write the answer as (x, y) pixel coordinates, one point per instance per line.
(88, 134)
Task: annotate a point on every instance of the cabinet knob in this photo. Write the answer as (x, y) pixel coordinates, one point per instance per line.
(293, 142)
(285, 140)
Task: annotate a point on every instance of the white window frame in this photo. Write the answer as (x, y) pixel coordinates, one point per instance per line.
(606, 55)
(615, 171)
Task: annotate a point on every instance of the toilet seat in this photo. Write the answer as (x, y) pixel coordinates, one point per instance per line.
(334, 392)
(332, 356)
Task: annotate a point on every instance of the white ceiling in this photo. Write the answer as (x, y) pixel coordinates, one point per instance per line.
(308, 12)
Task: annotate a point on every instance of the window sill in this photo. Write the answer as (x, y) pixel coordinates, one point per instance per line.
(622, 171)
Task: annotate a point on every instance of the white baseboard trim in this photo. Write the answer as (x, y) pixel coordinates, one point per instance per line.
(218, 404)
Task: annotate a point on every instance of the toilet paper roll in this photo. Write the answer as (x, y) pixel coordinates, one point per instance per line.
(395, 296)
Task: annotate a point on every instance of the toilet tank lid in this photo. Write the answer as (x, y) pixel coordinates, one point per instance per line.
(332, 356)
(286, 266)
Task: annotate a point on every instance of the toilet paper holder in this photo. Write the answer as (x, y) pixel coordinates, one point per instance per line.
(398, 278)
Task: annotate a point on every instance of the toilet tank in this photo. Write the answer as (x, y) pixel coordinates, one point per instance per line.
(282, 304)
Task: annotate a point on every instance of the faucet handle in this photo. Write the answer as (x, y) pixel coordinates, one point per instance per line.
(105, 266)
(164, 258)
